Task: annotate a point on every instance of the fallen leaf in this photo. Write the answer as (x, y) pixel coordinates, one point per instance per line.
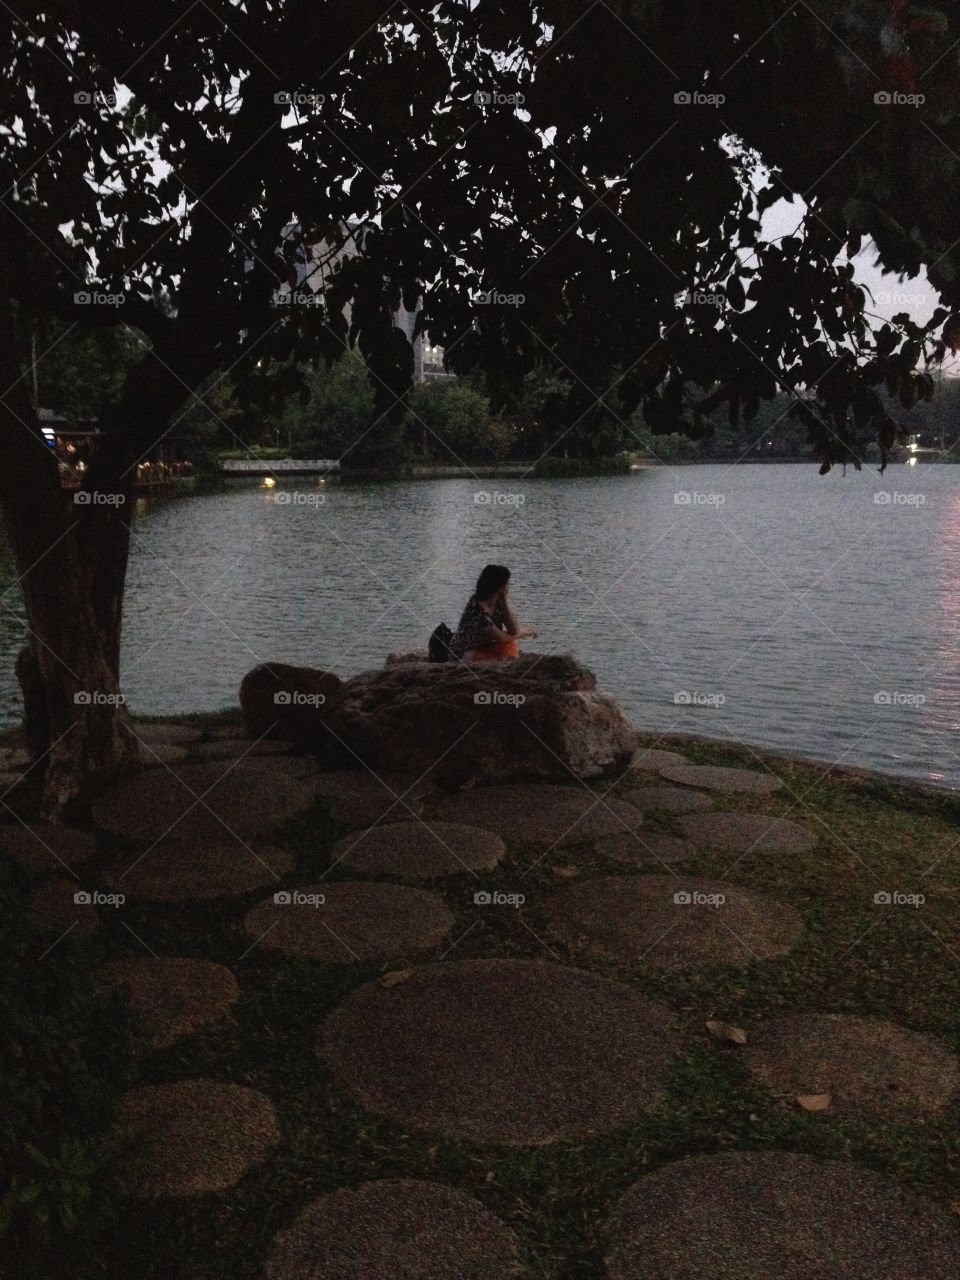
(726, 1031)
(565, 873)
(814, 1101)
(398, 975)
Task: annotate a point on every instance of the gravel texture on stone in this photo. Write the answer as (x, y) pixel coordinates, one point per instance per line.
(202, 800)
(418, 850)
(356, 921)
(653, 759)
(867, 1065)
(774, 1215)
(198, 870)
(670, 922)
(46, 847)
(172, 997)
(718, 778)
(646, 847)
(397, 1229)
(518, 1052)
(540, 814)
(747, 833)
(667, 799)
(196, 1136)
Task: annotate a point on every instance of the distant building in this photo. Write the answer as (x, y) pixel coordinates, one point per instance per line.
(312, 258)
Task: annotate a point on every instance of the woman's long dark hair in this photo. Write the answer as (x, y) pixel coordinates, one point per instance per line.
(494, 577)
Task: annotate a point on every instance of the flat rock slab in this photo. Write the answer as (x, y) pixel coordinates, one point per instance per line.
(653, 759)
(355, 921)
(758, 1215)
(518, 1052)
(197, 1136)
(242, 748)
(718, 778)
(868, 1066)
(667, 799)
(45, 847)
(540, 814)
(640, 848)
(171, 735)
(295, 767)
(360, 798)
(58, 911)
(747, 833)
(210, 800)
(198, 870)
(172, 997)
(154, 755)
(398, 1229)
(671, 922)
(419, 850)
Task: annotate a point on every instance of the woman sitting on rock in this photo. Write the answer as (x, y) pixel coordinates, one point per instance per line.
(488, 630)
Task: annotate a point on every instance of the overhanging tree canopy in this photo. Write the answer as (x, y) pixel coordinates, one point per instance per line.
(607, 163)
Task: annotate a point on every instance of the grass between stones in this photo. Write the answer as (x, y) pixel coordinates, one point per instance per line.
(856, 955)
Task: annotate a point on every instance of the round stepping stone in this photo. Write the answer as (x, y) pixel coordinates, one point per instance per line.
(381, 808)
(59, 911)
(356, 921)
(755, 1215)
(646, 846)
(173, 997)
(419, 850)
(717, 778)
(199, 1136)
(537, 814)
(747, 833)
(867, 1065)
(295, 767)
(667, 799)
(197, 870)
(45, 847)
(401, 1228)
(169, 735)
(201, 801)
(520, 1052)
(155, 754)
(652, 759)
(240, 748)
(670, 922)
(361, 798)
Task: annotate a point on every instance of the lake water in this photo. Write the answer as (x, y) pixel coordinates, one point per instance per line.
(820, 615)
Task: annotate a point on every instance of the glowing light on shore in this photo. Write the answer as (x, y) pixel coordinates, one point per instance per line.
(268, 482)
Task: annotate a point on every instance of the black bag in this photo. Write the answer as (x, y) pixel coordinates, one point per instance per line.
(438, 650)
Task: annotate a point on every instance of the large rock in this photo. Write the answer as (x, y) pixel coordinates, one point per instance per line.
(292, 704)
(534, 717)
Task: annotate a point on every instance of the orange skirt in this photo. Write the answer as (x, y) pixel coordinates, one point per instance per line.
(496, 652)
